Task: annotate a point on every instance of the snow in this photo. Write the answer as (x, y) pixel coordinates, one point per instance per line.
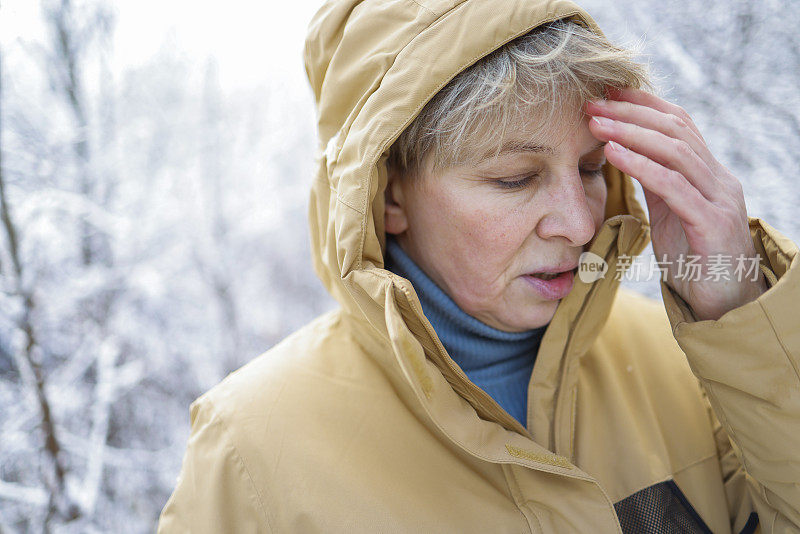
(174, 251)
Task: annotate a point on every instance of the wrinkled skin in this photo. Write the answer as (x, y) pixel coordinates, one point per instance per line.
(477, 239)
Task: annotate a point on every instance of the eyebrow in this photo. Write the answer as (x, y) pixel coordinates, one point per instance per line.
(516, 147)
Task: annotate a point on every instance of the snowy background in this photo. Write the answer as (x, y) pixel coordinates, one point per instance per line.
(155, 159)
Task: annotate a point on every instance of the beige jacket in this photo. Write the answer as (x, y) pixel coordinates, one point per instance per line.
(361, 421)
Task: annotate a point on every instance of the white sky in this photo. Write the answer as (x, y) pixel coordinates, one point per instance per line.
(252, 41)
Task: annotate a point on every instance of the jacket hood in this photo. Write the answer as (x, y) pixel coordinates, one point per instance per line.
(369, 65)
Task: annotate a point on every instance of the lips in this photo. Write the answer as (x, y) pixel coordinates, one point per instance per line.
(556, 287)
(548, 273)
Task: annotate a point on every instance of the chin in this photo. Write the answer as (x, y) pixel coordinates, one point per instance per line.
(538, 317)
(517, 318)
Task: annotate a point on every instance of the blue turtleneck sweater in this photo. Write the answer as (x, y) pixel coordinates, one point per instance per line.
(498, 362)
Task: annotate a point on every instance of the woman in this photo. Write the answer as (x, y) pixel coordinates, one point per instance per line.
(473, 379)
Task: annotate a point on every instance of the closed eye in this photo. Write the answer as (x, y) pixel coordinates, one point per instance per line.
(525, 180)
(516, 184)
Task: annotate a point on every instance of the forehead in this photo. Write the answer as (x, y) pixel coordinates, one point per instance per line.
(513, 147)
(534, 134)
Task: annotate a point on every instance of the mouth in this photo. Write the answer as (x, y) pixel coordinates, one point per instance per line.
(552, 284)
(555, 272)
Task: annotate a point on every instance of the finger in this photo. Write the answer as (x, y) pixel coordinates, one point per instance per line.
(647, 117)
(680, 196)
(674, 154)
(643, 98)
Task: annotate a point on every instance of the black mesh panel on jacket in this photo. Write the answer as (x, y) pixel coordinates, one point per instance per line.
(659, 509)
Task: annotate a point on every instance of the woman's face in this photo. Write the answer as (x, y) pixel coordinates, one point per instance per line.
(481, 231)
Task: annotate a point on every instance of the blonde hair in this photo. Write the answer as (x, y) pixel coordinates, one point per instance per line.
(552, 69)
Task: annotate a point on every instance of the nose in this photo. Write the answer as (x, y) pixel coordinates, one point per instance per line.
(567, 212)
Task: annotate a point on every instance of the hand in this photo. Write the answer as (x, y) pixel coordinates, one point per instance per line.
(696, 206)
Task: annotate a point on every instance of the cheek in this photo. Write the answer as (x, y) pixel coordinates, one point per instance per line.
(484, 242)
(484, 224)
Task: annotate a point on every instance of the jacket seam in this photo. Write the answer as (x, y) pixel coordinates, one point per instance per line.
(430, 12)
(343, 201)
(723, 419)
(572, 419)
(510, 473)
(796, 373)
(694, 463)
(780, 341)
(221, 421)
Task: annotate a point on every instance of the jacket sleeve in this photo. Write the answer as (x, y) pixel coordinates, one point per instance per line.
(214, 493)
(748, 362)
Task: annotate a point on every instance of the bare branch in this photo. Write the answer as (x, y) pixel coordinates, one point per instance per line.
(29, 365)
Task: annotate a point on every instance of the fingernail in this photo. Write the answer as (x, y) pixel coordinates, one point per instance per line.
(601, 121)
(617, 147)
(600, 102)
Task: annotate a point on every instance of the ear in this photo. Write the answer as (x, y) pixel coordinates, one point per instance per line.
(395, 216)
